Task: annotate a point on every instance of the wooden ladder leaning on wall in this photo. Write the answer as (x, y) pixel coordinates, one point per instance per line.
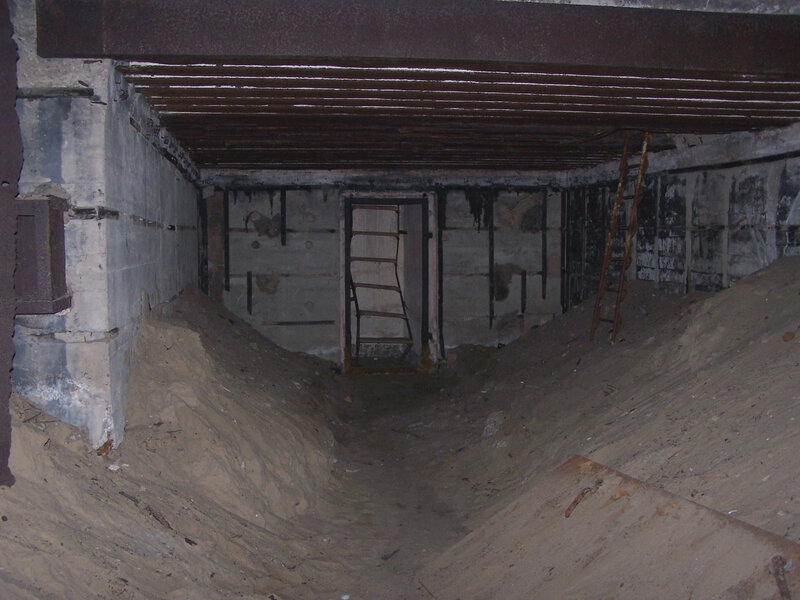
(615, 265)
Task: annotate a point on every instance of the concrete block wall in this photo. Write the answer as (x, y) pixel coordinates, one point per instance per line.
(294, 294)
(130, 231)
(62, 111)
(295, 289)
(713, 211)
(521, 218)
(151, 245)
(718, 225)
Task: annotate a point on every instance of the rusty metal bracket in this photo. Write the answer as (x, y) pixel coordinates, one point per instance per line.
(581, 495)
(778, 567)
(40, 276)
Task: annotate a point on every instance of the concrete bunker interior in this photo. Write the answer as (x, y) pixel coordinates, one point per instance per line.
(397, 217)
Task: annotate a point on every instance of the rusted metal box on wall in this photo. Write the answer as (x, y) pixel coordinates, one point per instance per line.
(39, 279)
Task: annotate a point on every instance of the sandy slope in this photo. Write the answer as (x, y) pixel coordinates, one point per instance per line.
(229, 482)
(226, 444)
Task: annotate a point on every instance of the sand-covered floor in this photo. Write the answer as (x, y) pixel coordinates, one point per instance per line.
(250, 472)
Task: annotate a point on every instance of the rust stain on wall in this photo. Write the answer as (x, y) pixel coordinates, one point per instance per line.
(268, 283)
(264, 225)
(524, 215)
(502, 279)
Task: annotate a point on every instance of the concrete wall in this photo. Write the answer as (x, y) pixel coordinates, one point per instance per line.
(131, 230)
(151, 247)
(10, 165)
(522, 219)
(294, 294)
(62, 117)
(721, 224)
(295, 291)
(715, 210)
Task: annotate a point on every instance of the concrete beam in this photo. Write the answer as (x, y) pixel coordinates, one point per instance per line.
(463, 31)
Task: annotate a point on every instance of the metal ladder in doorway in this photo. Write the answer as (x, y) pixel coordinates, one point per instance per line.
(615, 262)
(370, 280)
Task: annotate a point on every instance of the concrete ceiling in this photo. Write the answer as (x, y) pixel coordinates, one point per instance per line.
(453, 84)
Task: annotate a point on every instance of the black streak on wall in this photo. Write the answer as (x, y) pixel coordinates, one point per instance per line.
(646, 235)
(573, 247)
(746, 222)
(480, 206)
(700, 228)
(596, 219)
(10, 166)
(708, 233)
(588, 215)
(672, 233)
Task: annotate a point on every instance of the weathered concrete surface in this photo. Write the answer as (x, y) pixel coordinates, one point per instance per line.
(621, 538)
(10, 165)
(693, 151)
(521, 218)
(295, 287)
(130, 237)
(59, 363)
(714, 210)
(295, 293)
(151, 248)
(369, 179)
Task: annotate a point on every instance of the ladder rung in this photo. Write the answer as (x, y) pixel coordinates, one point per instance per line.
(612, 289)
(385, 340)
(629, 196)
(372, 259)
(380, 313)
(375, 206)
(377, 286)
(381, 233)
(617, 259)
(604, 320)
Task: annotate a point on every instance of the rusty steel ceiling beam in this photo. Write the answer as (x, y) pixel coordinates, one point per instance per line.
(461, 31)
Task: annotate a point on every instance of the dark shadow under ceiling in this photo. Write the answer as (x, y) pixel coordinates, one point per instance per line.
(445, 84)
(368, 115)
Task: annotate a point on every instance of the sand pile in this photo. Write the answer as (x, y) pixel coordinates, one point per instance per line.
(226, 442)
(701, 398)
(229, 483)
(242, 423)
(701, 389)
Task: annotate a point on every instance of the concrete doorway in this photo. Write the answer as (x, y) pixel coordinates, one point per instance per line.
(389, 280)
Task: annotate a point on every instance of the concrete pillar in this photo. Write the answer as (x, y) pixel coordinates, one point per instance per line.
(10, 165)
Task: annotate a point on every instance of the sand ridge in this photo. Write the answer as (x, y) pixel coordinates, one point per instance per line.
(251, 472)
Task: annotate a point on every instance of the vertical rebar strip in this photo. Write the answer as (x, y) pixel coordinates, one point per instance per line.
(348, 280)
(226, 241)
(490, 226)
